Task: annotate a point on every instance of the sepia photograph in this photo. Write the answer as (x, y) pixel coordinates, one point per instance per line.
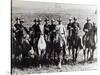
(48, 37)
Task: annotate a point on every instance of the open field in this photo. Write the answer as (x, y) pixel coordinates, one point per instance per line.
(79, 66)
(29, 11)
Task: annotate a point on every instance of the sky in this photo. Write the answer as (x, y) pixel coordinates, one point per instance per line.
(45, 7)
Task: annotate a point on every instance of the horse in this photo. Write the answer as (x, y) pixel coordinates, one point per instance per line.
(41, 45)
(59, 49)
(15, 48)
(89, 43)
(75, 42)
(22, 46)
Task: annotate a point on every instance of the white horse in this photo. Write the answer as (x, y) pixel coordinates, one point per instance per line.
(41, 44)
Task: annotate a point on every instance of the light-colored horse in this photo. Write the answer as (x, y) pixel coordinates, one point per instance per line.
(60, 45)
(41, 44)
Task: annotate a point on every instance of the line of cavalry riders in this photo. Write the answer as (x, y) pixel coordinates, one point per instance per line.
(52, 32)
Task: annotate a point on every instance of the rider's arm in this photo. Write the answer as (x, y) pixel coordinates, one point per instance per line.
(79, 28)
(85, 28)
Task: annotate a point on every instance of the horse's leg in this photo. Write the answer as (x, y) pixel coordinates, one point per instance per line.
(64, 52)
(84, 53)
(52, 51)
(88, 53)
(39, 58)
(76, 54)
(54, 55)
(69, 51)
(60, 59)
(68, 43)
(73, 53)
(91, 57)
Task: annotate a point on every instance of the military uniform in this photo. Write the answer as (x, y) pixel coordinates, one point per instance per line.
(52, 32)
(19, 32)
(87, 29)
(46, 29)
(69, 34)
(36, 30)
(62, 32)
(75, 31)
(68, 28)
(75, 28)
(36, 35)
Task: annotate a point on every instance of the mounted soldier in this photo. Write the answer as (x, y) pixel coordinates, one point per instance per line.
(87, 28)
(69, 34)
(19, 30)
(46, 29)
(75, 31)
(35, 34)
(22, 39)
(95, 31)
(69, 27)
(52, 34)
(75, 39)
(52, 31)
(60, 42)
(36, 28)
(89, 39)
(61, 30)
(32, 32)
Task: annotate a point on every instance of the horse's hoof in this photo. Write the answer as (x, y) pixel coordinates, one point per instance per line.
(39, 66)
(59, 66)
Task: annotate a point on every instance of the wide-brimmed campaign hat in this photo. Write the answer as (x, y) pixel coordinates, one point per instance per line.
(59, 20)
(17, 18)
(22, 20)
(75, 18)
(35, 20)
(70, 18)
(52, 20)
(46, 20)
(88, 19)
(39, 20)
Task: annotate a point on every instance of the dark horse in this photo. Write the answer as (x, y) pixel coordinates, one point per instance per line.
(21, 46)
(75, 45)
(59, 49)
(89, 43)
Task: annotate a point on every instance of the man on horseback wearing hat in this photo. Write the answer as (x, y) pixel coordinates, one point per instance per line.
(75, 39)
(19, 32)
(52, 30)
(89, 40)
(87, 28)
(75, 31)
(69, 34)
(61, 30)
(61, 35)
(52, 34)
(46, 29)
(36, 34)
(69, 27)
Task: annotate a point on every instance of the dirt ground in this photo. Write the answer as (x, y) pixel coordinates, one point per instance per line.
(79, 66)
